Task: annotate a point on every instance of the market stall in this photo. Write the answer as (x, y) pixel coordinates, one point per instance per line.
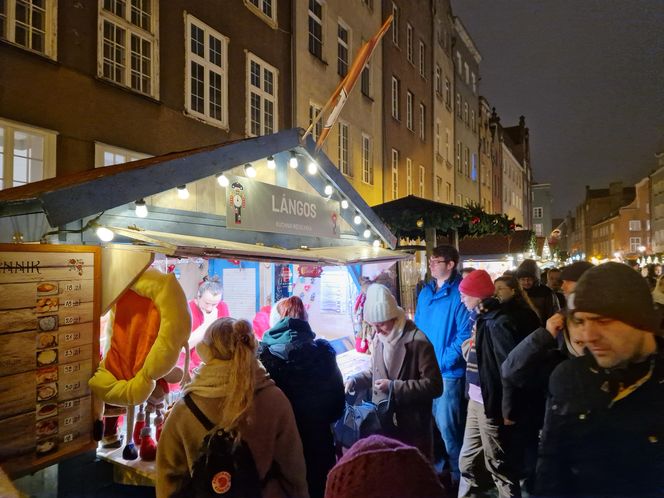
(252, 219)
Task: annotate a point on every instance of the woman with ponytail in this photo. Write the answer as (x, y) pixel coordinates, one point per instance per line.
(234, 391)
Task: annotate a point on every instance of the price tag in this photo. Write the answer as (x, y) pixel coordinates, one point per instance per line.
(71, 320)
(71, 387)
(72, 287)
(70, 303)
(68, 438)
(69, 353)
(71, 368)
(71, 420)
(71, 336)
(68, 404)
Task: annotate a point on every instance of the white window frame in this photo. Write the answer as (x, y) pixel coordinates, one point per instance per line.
(50, 28)
(422, 173)
(634, 244)
(395, 98)
(472, 120)
(208, 67)
(126, 155)
(466, 71)
(365, 81)
(437, 140)
(423, 113)
(448, 150)
(258, 7)
(634, 225)
(438, 83)
(538, 212)
(539, 229)
(448, 92)
(409, 176)
(409, 43)
(343, 44)
(457, 150)
(458, 105)
(422, 59)
(250, 88)
(130, 29)
(314, 110)
(343, 148)
(367, 160)
(9, 130)
(318, 20)
(395, 24)
(395, 174)
(459, 66)
(409, 110)
(473, 82)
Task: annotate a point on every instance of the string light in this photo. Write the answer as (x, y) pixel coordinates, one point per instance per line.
(358, 219)
(367, 233)
(249, 170)
(104, 234)
(271, 163)
(292, 162)
(344, 204)
(328, 189)
(376, 243)
(183, 193)
(312, 168)
(141, 209)
(222, 180)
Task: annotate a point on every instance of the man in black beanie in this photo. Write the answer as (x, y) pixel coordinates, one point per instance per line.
(604, 427)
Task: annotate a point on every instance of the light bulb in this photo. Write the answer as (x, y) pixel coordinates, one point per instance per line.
(367, 233)
(249, 170)
(183, 193)
(376, 243)
(222, 180)
(344, 204)
(104, 234)
(328, 189)
(271, 163)
(312, 168)
(141, 209)
(357, 220)
(292, 162)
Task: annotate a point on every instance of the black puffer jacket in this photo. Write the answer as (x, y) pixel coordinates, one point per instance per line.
(594, 446)
(311, 380)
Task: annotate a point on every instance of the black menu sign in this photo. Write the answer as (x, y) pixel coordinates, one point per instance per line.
(49, 348)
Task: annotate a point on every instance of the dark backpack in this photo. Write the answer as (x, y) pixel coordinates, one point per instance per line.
(224, 467)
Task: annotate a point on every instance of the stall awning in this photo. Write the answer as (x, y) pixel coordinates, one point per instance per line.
(178, 245)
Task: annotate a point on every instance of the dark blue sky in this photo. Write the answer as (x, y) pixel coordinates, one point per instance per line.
(589, 77)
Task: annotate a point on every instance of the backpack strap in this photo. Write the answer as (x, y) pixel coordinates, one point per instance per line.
(198, 413)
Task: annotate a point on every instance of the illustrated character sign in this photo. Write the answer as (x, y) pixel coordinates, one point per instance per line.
(237, 201)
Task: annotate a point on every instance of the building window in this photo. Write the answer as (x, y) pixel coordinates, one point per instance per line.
(422, 59)
(365, 81)
(206, 83)
(409, 110)
(634, 225)
(467, 72)
(634, 244)
(448, 92)
(395, 25)
(344, 163)
(316, 28)
(459, 200)
(367, 160)
(395, 98)
(473, 167)
(458, 105)
(465, 112)
(448, 192)
(27, 154)
(466, 161)
(438, 83)
(473, 82)
(409, 42)
(472, 121)
(457, 150)
(459, 66)
(395, 173)
(343, 44)
(128, 49)
(109, 155)
(539, 229)
(447, 146)
(420, 188)
(409, 176)
(422, 122)
(437, 139)
(262, 96)
(314, 111)
(538, 212)
(266, 8)
(30, 24)
(368, 4)
(439, 187)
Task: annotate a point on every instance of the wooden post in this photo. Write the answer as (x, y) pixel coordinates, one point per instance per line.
(455, 237)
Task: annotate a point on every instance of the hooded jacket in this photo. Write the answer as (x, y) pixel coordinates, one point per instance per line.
(543, 298)
(444, 319)
(270, 432)
(306, 371)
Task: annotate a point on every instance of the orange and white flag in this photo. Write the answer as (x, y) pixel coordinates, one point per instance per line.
(340, 95)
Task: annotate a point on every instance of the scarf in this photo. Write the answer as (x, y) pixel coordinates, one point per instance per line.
(392, 340)
(286, 335)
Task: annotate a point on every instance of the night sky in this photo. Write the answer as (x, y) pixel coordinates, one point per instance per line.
(588, 75)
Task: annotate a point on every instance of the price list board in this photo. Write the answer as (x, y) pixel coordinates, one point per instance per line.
(49, 349)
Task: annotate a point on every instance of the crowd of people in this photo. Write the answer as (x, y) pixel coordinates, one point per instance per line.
(530, 385)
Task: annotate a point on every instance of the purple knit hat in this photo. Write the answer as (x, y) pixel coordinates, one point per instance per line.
(381, 467)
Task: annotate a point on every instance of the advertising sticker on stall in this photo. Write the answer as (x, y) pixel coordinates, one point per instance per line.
(49, 347)
(262, 207)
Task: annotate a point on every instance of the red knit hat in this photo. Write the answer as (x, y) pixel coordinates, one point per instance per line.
(477, 284)
(381, 467)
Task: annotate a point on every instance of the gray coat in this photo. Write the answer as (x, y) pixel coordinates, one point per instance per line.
(417, 381)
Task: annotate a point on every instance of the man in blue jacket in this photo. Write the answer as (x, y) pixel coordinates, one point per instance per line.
(444, 319)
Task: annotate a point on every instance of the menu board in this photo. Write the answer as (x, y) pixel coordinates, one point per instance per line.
(49, 348)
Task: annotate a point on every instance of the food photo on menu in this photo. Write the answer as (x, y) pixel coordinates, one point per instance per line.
(47, 391)
(47, 304)
(47, 374)
(47, 357)
(47, 340)
(48, 323)
(46, 288)
(45, 410)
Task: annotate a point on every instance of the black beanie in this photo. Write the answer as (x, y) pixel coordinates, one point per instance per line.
(528, 268)
(616, 291)
(574, 271)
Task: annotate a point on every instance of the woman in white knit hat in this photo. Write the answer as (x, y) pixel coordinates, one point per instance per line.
(403, 364)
